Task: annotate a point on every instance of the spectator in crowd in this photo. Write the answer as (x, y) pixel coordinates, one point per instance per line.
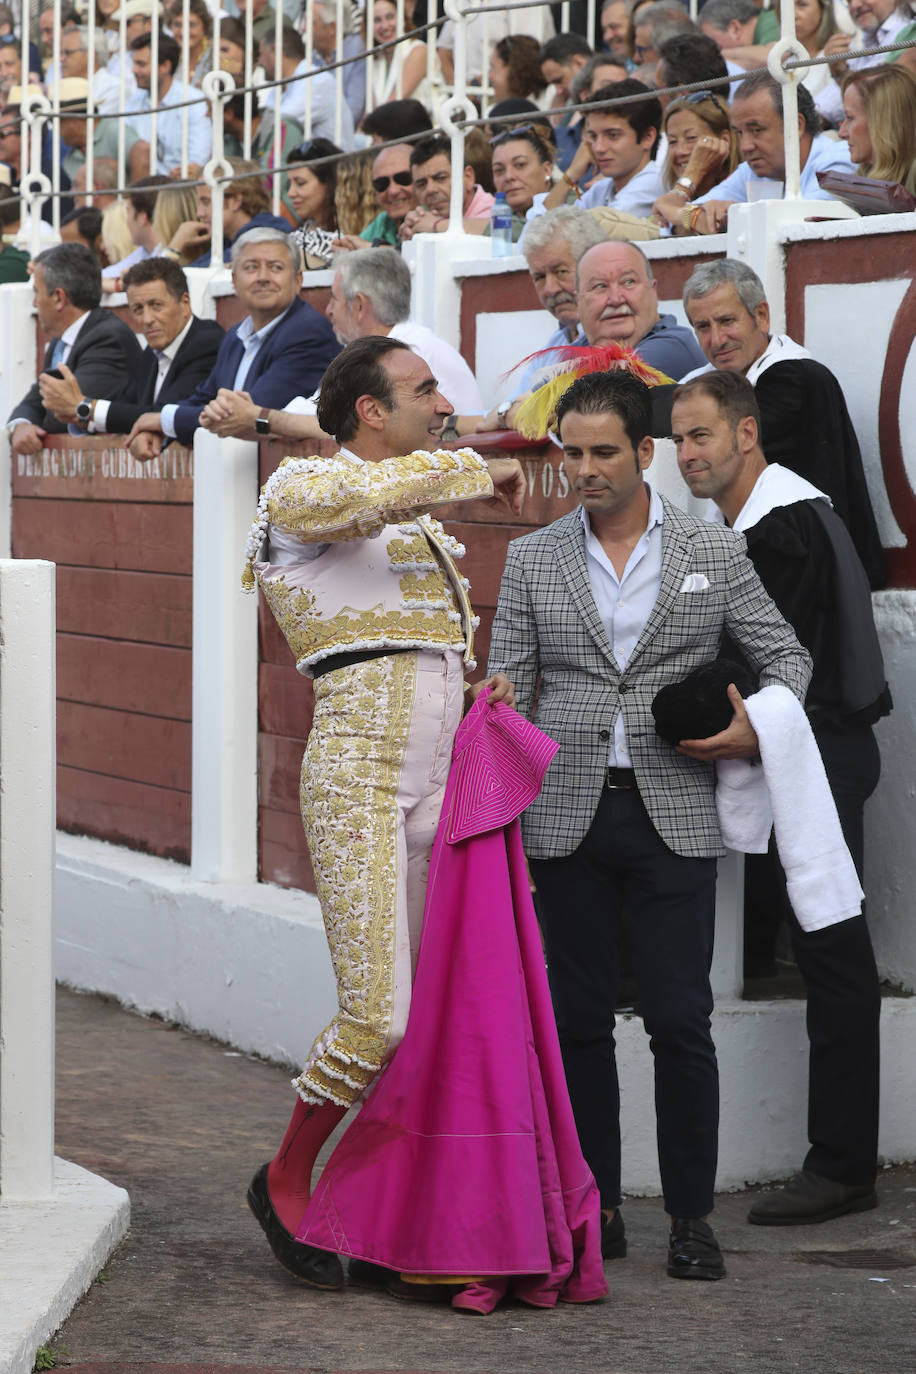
(175, 206)
(617, 30)
(523, 170)
(232, 49)
(879, 23)
(262, 136)
(84, 225)
(263, 18)
(306, 85)
(370, 295)
(10, 71)
(200, 37)
(74, 64)
(69, 19)
(562, 60)
(702, 151)
(689, 57)
(104, 182)
(552, 246)
(879, 123)
(355, 196)
(326, 48)
(246, 205)
(116, 239)
(805, 423)
(807, 563)
(392, 181)
(653, 25)
(140, 204)
(815, 25)
(313, 196)
(396, 119)
(482, 31)
(180, 354)
(138, 19)
(279, 350)
(618, 303)
(757, 118)
(399, 71)
(73, 96)
(100, 350)
(625, 833)
(12, 154)
(171, 113)
(515, 68)
(477, 154)
(14, 262)
(600, 70)
(742, 30)
(431, 167)
(620, 143)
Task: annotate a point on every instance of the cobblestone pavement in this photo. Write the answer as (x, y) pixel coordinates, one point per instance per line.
(182, 1123)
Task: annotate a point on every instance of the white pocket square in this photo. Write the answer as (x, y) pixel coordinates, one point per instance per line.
(695, 582)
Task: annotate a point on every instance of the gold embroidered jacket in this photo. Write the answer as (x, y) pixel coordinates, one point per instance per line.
(383, 581)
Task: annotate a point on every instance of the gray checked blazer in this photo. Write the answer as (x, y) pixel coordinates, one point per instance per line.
(548, 638)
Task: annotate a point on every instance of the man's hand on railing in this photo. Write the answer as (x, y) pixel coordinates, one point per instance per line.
(230, 415)
(61, 395)
(27, 439)
(145, 439)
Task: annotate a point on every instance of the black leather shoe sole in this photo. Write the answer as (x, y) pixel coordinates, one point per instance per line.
(317, 1268)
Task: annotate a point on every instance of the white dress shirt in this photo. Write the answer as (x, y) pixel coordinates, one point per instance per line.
(625, 603)
(164, 359)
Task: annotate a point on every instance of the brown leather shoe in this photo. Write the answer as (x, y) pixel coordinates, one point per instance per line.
(808, 1198)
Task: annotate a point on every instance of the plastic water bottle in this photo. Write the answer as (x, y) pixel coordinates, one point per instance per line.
(501, 222)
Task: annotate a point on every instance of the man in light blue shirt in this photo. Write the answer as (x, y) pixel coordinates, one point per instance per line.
(170, 113)
(757, 117)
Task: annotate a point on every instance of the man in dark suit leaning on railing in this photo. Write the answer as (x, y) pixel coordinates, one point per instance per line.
(180, 355)
(279, 351)
(100, 350)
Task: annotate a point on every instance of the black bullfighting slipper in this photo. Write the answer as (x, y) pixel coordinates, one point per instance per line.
(808, 1198)
(318, 1268)
(365, 1274)
(613, 1236)
(693, 1251)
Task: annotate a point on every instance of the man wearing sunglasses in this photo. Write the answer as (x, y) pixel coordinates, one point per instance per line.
(392, 181)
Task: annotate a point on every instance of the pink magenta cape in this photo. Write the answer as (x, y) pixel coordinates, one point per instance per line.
(464, 1158)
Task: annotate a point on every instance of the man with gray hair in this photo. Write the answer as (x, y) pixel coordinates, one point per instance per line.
(738, 24)
(654, 25)
(325, 51)
(102, 351)
(370, 294)
(280, 345)
(805, 422)
(74, 63)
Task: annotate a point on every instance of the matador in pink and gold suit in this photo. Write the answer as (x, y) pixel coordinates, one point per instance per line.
(364, 585)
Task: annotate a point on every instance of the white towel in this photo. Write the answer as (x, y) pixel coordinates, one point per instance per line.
(791, 784)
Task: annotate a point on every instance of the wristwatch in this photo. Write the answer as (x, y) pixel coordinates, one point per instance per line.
(84, 409)
(262, 423)
(502, 410)
(687, 186)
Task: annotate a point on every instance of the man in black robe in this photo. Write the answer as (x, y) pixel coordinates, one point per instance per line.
(805, 422)
(805, 558)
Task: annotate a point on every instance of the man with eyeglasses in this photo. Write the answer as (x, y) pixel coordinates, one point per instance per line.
(74, 64)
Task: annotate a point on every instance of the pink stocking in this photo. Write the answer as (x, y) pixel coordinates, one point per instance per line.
(289, 1174)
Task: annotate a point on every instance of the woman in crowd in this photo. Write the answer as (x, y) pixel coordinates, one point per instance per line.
(399, 71)
(355, 195)
(200, 32)
(879, 123)
(515, 69)
(312, 194)
(522, 168)
(232, 49)
(815, 23)
(175, 206)
(702, 151)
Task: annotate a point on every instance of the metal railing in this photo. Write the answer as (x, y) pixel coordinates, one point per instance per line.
(453, 105)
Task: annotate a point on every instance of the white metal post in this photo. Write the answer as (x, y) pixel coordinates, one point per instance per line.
(224, 692)
(27, 829)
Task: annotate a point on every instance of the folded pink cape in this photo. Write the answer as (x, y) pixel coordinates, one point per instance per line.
(464, 1159)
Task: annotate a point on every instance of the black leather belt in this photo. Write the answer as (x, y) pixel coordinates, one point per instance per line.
(335, 661)
(621, 780)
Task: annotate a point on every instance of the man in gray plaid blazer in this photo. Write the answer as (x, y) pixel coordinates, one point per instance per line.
(596, 613)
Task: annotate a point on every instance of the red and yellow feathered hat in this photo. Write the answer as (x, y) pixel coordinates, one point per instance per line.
(535, 416)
